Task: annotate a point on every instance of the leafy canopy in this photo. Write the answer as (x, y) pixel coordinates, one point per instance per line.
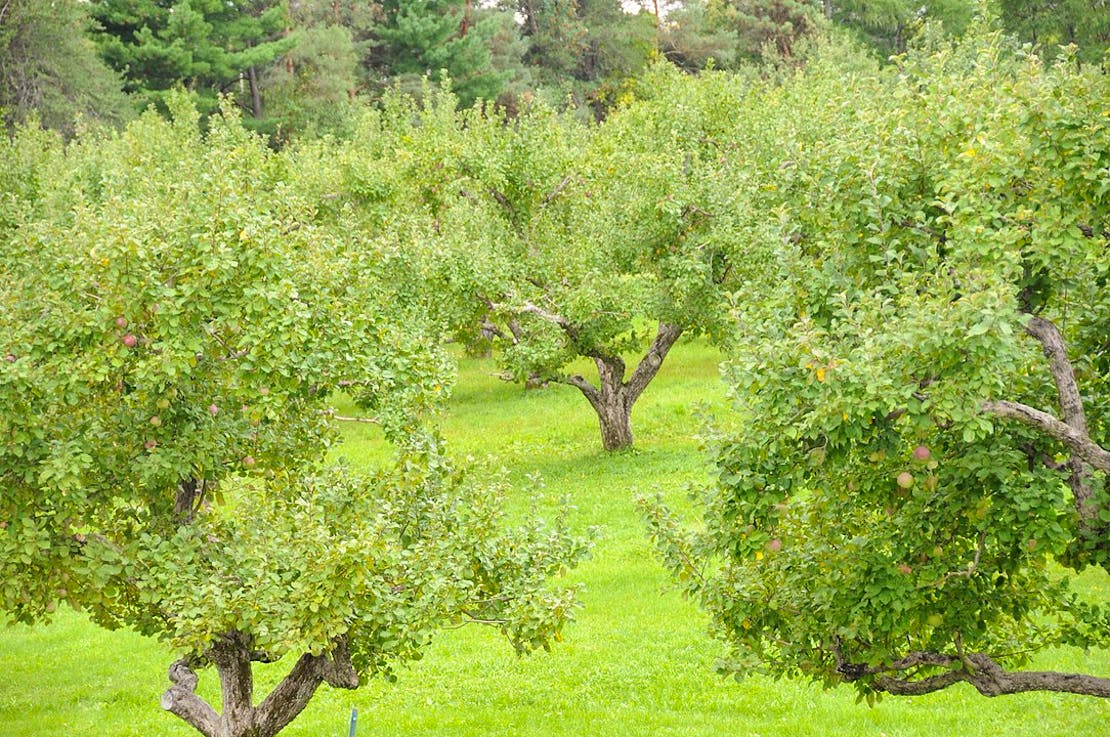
(931, 266)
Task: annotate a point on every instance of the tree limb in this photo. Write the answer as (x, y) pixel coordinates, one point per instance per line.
(543, 314)
(978, 669)
(665, 338)
(555, 192)
(1079, 443)
(1071, 404)
(292, 695)
(182, 701)
(583, 385)
(1052, 342)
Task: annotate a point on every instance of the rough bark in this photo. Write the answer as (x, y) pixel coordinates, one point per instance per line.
(977, 669)
(256, 94)
(232, 657)
(182, 701)
(1072, 430)
(612, 400)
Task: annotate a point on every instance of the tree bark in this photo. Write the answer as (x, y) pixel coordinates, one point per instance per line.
(1072, 430)
(256, 94)
(612, 400)
(232, 656)
(977, 669)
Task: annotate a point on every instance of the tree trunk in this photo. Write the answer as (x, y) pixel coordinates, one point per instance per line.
(614, 406)
(614, 397)
(256, 95)
(232, 656)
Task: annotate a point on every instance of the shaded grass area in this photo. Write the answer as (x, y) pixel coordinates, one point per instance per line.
(637, 661)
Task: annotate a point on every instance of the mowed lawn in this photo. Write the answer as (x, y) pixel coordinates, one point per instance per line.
(638, 660)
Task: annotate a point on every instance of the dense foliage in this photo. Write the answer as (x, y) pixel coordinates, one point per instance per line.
(175, 317)
(553, 241)
(50, 71)
(303, 68)
(906, 264)
(918, 466)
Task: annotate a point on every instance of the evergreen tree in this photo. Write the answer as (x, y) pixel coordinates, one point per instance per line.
(208, 46)
(587, 49)
(49, 68)
(436, 38)
(767, 26)
(1085, 23)
(887, 25)
(690, 39)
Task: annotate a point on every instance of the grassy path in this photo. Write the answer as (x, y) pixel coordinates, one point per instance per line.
(637, 662)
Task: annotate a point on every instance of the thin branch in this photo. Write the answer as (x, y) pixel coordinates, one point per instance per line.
(502, 200)
(971, 567)
(543, 314)
(555, 192)
(345, 418)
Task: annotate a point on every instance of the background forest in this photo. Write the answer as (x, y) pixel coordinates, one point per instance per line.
(299, 67)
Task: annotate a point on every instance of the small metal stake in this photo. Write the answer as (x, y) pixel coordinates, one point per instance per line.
(354, 721)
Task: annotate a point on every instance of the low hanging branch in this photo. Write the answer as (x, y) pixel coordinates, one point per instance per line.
(978, 669)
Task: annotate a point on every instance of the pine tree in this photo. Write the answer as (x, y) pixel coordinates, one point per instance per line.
(49, 68)
(208, 46)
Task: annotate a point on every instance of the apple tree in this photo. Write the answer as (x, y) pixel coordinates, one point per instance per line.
(917, 467)
(554, 241)
(172, 330)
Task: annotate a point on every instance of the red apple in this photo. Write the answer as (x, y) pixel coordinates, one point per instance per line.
(10, 358)
(922, 453)
(150, 444)
(130, 340)
(904, 569)
(905, 479)
(248, 461)
(774, 545)
(156, 420)
(121, 322)
(213, 410)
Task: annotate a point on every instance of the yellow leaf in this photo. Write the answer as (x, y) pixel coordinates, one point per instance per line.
(820, 374)
(759, 555)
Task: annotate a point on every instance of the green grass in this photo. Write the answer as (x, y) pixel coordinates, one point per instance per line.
(637, 661)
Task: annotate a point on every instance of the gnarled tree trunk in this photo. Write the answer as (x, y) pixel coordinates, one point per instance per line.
(614, 397)
(233, 657)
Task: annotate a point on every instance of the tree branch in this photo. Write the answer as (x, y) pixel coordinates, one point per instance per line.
(1052, 342)
(1079, 443)
(665, 338)
(555, 192)
(583, 385)
(292, 695)
(978, 669)
(337, 669)
(182, 701)
(543, 314)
